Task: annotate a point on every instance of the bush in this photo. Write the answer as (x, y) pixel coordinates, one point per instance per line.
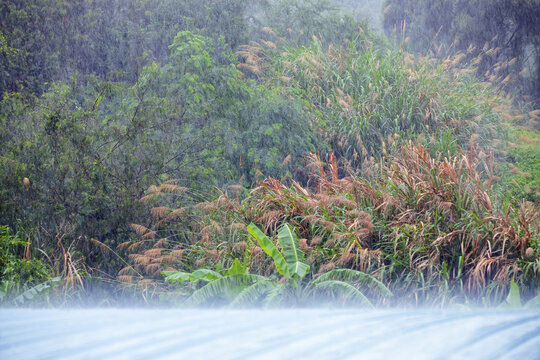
(431, 228)
(22, 277)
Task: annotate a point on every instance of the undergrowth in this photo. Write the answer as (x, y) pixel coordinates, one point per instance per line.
(367, 99)
(431, 229)
(426, 184)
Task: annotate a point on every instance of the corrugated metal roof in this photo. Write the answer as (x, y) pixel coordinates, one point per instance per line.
(267, 334)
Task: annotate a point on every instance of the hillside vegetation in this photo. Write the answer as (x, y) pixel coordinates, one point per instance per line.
(254, 153)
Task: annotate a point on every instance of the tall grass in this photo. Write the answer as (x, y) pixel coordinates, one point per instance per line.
(361, 94)
(407, 188)
(430, 228)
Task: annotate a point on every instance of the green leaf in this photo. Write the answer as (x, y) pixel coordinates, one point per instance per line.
(353, 276)
(200, 274)
(205, 274)
(275, 295)
(345, 290)
(300, 268)
(179, 276)
(268, 246)
(514, 299)
(252, 293)
(534, 303)
(227, 286)
(293, 255)
(237, 268)
(98, 101)
(36, 290)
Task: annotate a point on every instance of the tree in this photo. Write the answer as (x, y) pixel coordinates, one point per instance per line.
(504, 33)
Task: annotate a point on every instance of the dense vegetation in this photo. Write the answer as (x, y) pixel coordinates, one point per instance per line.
(499, 39)
(256, 152)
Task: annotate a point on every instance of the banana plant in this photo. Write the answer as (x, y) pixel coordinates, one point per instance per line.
(238, 285)
(290, 261)
(242, 288)
(513, 300)
(228, 285)
(24, 293)
(340, 282)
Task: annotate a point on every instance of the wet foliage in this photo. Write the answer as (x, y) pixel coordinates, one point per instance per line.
(499, 38)
(259, 153)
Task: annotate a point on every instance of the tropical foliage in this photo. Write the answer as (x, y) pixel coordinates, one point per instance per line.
(262, 153)
(243, 288)
(432, 230)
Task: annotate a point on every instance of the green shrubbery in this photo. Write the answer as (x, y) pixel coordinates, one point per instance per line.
(365, 98)
(524, 166)
(22, 278)
(496, 37)
(235, 115)
(430, 228)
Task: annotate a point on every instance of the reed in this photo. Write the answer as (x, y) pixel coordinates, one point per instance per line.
(431, 228)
